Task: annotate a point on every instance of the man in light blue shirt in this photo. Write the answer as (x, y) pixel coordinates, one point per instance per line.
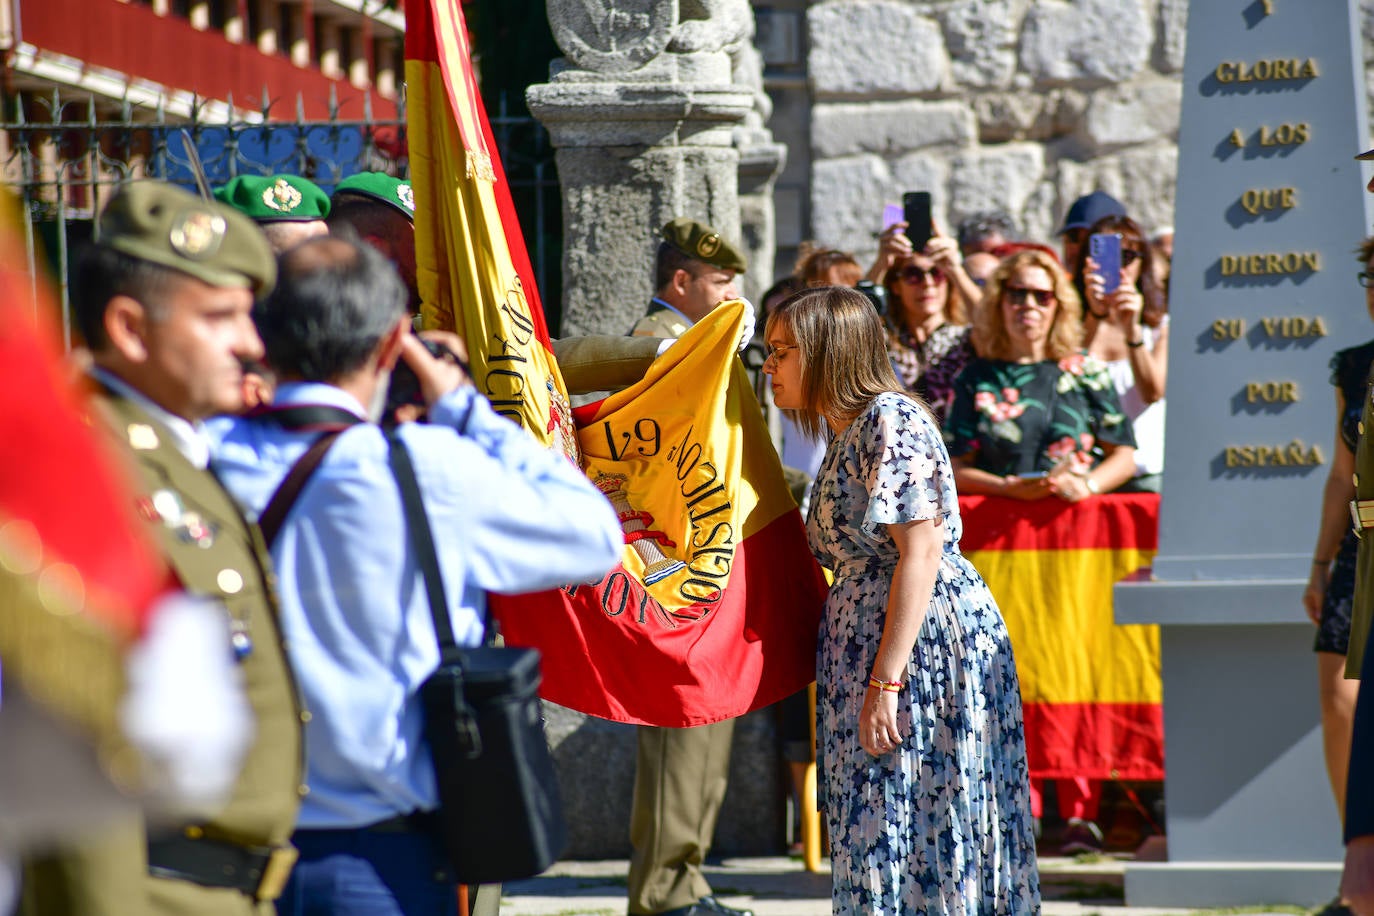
(507, 516)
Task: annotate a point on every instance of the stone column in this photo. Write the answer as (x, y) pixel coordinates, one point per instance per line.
(641, 112)
(761, 160)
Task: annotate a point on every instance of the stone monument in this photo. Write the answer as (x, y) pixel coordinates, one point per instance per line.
(656, 112)
(1270, 205)
(641, 113)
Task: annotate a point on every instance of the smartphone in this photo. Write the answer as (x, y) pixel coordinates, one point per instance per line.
(1034, 475)
(916, 212)
(1105, 249)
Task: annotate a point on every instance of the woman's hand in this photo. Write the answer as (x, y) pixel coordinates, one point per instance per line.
(1094, 290)
(1069, 486)
(1025, 488)
(1315, 593)
(944, 251)
(893, 246)
(878, 730)
(1126, 304)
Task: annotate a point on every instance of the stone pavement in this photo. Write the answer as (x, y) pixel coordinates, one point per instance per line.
(778, 886)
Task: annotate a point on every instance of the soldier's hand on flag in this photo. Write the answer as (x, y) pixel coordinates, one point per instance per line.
(438, 375)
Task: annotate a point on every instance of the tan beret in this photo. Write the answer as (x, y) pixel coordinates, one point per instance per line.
(702, 243)
(159, 222)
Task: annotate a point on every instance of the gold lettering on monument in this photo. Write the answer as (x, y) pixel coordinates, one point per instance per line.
(1271, 392)
(1257, 200)
(1266, 70)
(1270, 264)
(1294, 454)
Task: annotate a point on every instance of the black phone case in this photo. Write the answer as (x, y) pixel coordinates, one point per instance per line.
(916, 212)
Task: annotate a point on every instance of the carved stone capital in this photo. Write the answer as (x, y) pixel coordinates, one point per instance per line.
(612, 36)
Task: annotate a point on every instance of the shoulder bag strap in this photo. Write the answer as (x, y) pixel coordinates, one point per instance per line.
(426, 557)
(274, 516)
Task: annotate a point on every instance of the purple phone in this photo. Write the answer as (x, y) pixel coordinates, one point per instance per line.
(1105, 250)
(892, 215)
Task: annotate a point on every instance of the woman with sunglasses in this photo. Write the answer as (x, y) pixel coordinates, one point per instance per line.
(920, 734)
(1330, 591)
(1128, 329)
(1033, 417)
(927, 324)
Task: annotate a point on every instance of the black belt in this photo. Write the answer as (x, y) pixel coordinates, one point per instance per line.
(257, 871)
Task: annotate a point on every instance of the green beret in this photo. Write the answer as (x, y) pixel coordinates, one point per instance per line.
(158, 222)
(702, 243)
(379, 186)
(275, 198)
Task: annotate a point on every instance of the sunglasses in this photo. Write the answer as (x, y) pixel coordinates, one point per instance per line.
(1366, 279)
(1024, 295)
(917, 275)
(1130, 255)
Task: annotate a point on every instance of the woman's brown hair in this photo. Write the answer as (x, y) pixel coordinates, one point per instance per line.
(843, 352)
(990, 338)
(814, 266)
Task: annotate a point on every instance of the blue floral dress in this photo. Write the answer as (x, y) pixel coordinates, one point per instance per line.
(943, 824)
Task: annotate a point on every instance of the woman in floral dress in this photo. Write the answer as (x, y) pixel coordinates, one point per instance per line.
(1033, 416)
(919, 713)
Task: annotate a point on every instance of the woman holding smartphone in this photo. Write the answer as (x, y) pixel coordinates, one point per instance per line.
(1034, 416)
(1126, 326)
(920, 731)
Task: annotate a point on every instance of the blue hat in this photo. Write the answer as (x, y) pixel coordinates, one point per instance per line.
(1090, 208)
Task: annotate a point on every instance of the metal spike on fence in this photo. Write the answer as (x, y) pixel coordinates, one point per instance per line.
(333, 102)
(367, 105)
(265, 102)
(300, 108)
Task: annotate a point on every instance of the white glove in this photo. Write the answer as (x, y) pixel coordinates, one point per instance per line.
(746, 333)
(185, 709)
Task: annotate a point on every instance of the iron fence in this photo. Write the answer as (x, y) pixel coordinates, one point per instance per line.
(63, 157)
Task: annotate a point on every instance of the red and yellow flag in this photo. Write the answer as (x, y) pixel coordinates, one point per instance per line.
(714, 609)
(471, 264)
(1091, 688)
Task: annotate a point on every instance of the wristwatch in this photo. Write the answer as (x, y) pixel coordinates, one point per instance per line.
(1092, 486)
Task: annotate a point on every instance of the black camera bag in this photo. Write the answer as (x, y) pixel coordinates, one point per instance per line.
(500, 810)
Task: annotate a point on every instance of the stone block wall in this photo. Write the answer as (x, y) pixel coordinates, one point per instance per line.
(1008, 104)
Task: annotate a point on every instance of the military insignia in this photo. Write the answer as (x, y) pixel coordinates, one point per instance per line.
(194, 529)
(142, 437)
(282, 197)
(708, 245)
(167, 506)
(197, 233)
(230, 581)
(239, 639)
(406, 195)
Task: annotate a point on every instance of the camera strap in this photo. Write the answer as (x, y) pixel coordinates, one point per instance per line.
(331, 423)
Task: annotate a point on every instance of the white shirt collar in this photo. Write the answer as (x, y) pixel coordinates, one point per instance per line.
(189, 438)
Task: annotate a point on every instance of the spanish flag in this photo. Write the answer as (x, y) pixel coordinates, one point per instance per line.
(471, 264)
(1091, 689)
(714, 609)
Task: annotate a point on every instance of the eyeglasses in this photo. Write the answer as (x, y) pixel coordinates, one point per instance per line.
(773, 354)
(1366, 279)
(1130, 255)
(1024, 295)
(917, 275)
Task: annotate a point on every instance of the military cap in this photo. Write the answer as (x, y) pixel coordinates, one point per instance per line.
(700, 242)
(1090, 208)
(275, 198)
(161, 223)
(379, 186)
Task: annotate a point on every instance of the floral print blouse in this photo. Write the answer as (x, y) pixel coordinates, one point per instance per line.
(929, 369)
(1018, 418)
